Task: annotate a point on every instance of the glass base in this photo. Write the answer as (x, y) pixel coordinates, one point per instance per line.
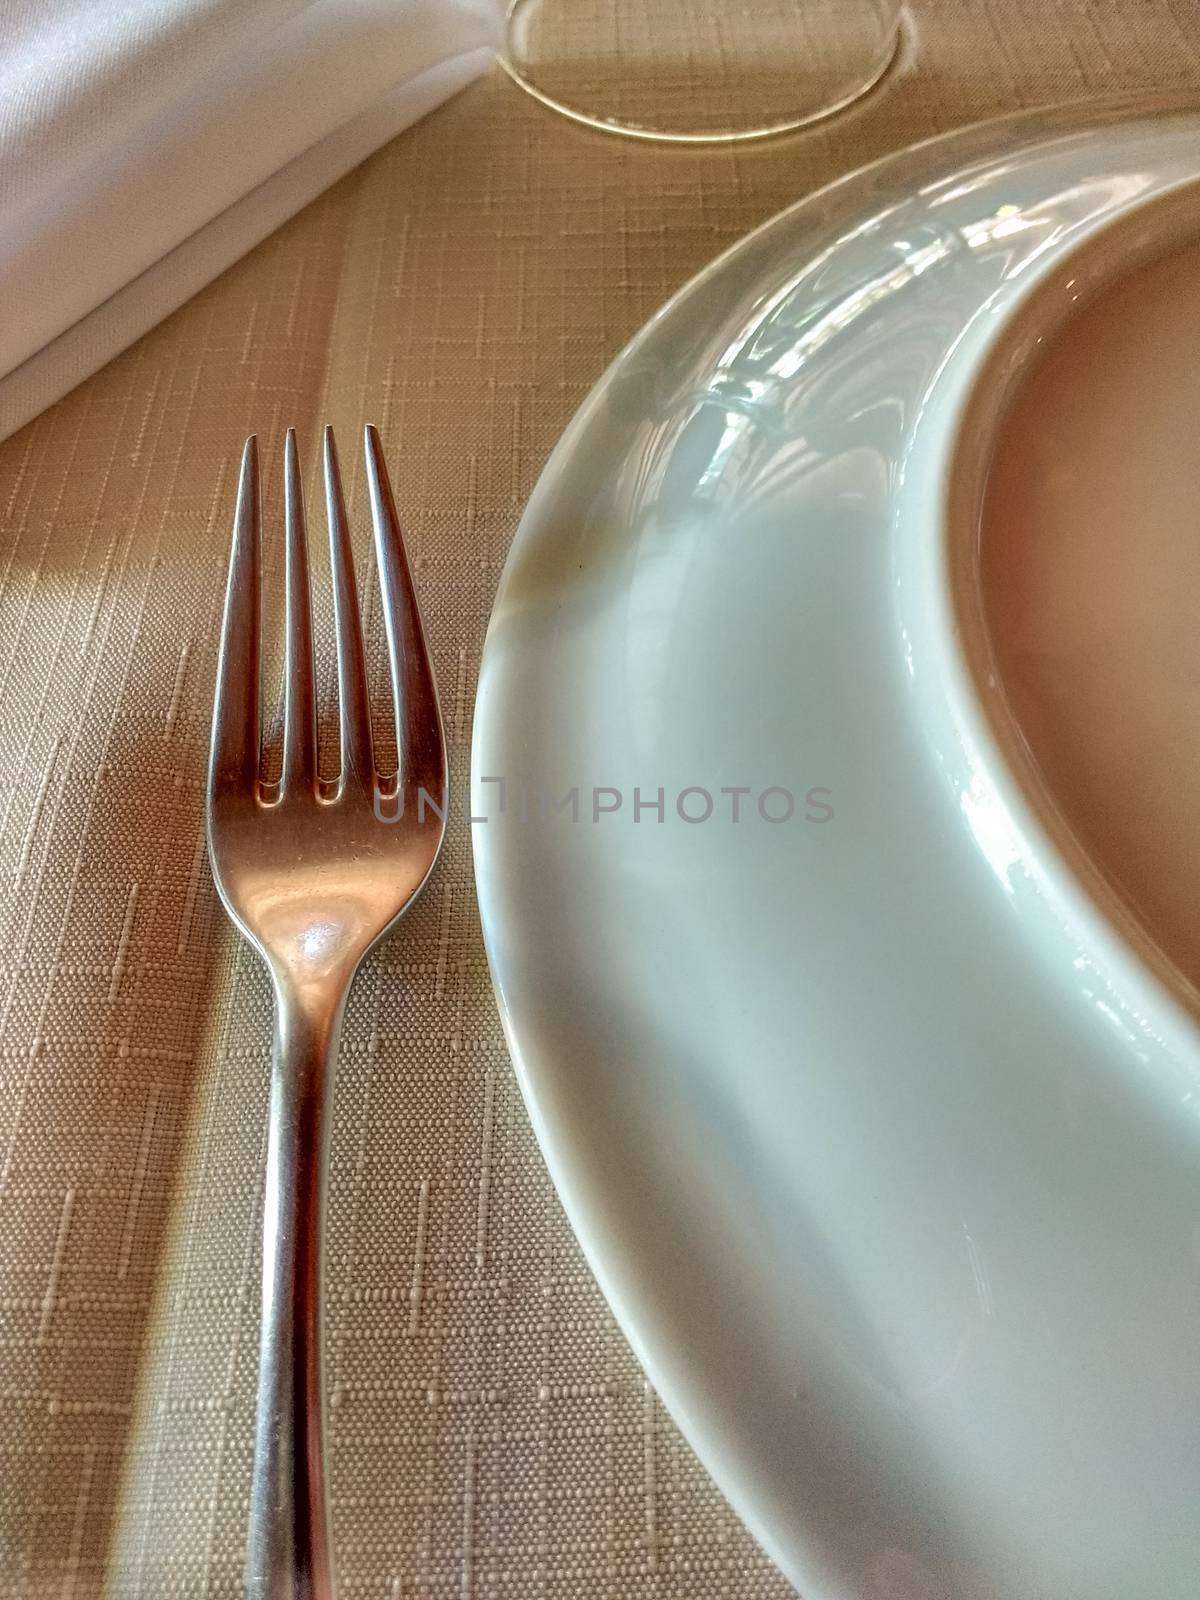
(700, 71)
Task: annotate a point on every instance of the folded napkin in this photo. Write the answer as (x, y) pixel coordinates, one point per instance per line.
(146, 144)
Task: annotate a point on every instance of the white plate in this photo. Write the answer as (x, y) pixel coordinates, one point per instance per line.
(879, 1129)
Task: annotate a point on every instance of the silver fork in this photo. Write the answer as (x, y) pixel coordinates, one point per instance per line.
(312, 873)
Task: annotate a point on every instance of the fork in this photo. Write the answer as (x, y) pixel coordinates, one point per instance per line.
(312, 873)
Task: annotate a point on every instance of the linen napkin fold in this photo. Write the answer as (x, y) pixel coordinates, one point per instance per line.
(147, 144)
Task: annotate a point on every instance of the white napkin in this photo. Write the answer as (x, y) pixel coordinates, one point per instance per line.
(147, 144)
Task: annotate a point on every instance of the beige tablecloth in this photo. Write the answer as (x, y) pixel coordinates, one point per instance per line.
(491, 1433)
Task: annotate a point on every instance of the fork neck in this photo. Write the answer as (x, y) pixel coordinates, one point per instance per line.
(313, 970)
(315, 998)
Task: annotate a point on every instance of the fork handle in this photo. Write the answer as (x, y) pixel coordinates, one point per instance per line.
(289, 1554)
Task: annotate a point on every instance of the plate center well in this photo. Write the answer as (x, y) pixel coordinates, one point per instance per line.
(1090, 572)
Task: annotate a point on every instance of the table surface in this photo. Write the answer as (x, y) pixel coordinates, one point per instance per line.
(492, 1435)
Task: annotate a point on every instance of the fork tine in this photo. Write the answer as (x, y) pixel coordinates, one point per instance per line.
(299, 700)
(418, 717)
(357, 760)
(234, 756)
